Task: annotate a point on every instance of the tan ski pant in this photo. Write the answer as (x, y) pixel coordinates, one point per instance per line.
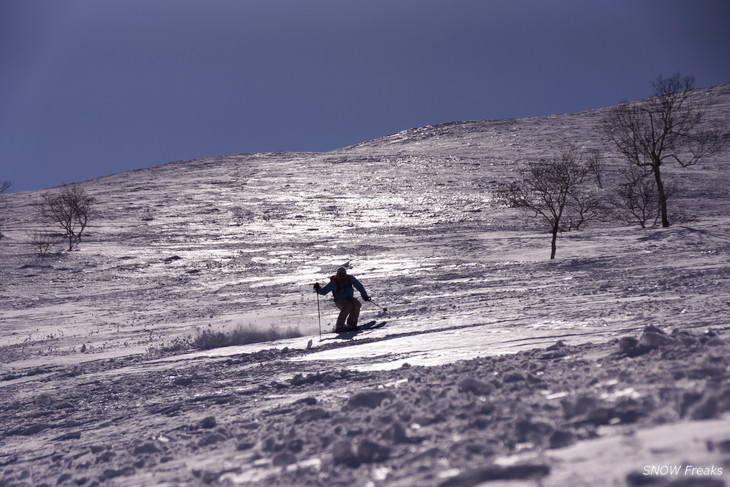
(349, 310)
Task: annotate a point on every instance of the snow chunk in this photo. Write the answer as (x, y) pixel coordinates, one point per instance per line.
(369, 400)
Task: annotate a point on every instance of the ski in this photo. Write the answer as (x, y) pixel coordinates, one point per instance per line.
(365, 326)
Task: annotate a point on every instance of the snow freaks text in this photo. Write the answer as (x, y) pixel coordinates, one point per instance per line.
(682, 470)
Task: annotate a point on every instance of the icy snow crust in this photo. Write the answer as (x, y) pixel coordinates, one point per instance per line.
(237, 241)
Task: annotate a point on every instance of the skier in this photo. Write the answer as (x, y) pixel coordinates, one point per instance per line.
(341, 285)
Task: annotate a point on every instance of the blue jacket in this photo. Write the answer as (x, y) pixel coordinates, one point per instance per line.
(342, 288)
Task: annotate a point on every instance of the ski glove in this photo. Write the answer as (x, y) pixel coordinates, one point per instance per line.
(316, 286)
(367, 298)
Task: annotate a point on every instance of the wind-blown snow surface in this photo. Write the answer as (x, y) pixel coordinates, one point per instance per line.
(237, 241)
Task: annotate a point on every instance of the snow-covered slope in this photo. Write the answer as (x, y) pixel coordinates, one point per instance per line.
(237, 241)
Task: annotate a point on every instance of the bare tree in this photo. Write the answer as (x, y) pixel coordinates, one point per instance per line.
(670, 126)
(635, 198)
(556, 190)
(595, 165)
(70, 209)
(4, 186)
(41, 241)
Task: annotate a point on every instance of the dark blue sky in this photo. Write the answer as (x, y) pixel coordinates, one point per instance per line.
(94, 87)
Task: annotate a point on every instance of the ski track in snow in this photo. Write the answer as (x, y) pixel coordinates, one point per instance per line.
(232, 241)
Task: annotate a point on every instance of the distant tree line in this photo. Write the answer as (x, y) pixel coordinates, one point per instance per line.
(567, 190)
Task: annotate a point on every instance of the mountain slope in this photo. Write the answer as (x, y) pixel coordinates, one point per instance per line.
(238, 240)
(492, 362)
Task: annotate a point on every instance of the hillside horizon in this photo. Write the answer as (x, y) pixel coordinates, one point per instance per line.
(718, 89)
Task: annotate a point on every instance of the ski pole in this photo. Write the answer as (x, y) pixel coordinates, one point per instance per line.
(319, 318)
(385, 310)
